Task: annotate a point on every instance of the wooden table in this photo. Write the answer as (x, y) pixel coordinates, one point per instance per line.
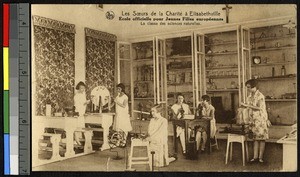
(185, 123)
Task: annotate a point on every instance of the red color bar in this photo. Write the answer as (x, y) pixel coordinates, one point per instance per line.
(5, 25)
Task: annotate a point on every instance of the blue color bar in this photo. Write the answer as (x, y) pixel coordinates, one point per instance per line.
(6, 155)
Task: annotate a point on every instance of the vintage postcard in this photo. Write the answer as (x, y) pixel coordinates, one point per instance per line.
(164, 87)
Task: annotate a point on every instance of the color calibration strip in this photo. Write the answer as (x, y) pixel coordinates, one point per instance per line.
(6, 89)
(16, 83)
(14, 89)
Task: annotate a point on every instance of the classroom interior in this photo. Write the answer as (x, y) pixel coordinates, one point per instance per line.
(74, 43)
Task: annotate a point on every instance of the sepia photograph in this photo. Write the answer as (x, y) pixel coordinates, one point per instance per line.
(164, 87)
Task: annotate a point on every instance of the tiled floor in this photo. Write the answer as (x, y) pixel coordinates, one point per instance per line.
(102, 161)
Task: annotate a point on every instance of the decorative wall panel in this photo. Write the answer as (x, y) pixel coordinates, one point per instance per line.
(54, 63)
(100, 60)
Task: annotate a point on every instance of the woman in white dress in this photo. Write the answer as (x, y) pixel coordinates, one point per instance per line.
(158, 137)
(208, 112)
(80, 103)
(122, 119)
(178, 109)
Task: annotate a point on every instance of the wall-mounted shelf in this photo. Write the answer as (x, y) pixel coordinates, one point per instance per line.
(223, 90)
(221, 67)
(222, 43)
(273, 48)
(180, 69)
(278, 77)
(280, 100)
(272, 38)
(281, 49)
(222, 77)
(185, 83)
(222, 53)
(273, 64)
(174, 57)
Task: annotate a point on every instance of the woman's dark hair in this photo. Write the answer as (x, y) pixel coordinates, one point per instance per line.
(122, 86)
(178, 95)
(205, 98)
(252, 82)
(158, 107)
(79, 84)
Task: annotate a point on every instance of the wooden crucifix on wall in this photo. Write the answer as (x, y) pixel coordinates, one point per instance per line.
(227, 10)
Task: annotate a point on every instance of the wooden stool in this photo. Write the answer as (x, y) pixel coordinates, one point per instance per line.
(139, 160)
(238, 139)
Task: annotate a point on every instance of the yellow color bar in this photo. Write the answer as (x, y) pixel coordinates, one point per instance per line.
(5, 68)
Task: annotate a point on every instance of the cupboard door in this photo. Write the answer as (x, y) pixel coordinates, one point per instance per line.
(142, 78)
(124, 70)
(160, 73)
(244, 61)
(198, 64)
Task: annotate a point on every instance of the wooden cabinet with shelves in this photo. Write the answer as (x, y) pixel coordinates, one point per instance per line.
(179, 69)
(221, 67)
(148, 76)
(218, 62)
(143, 77)
(276, 70)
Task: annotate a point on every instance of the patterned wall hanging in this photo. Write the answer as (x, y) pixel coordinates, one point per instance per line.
(100, 60)
(54, 63)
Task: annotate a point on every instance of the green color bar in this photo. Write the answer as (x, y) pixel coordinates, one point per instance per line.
(6, 111)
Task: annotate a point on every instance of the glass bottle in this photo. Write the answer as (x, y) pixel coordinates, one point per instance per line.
(278, 120)
(283, 70)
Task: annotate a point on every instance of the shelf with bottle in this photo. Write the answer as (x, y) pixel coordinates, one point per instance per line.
(222, 77)
(179, 57)
(142, 50)
(179, 69)
(274, 48)
(274, 64)
(222, 73)
(181, 83)
(289, 76)
(221, 67)
(221, 53)
(271, 38)
(179, 65)
(143, 73)
(221, 43)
